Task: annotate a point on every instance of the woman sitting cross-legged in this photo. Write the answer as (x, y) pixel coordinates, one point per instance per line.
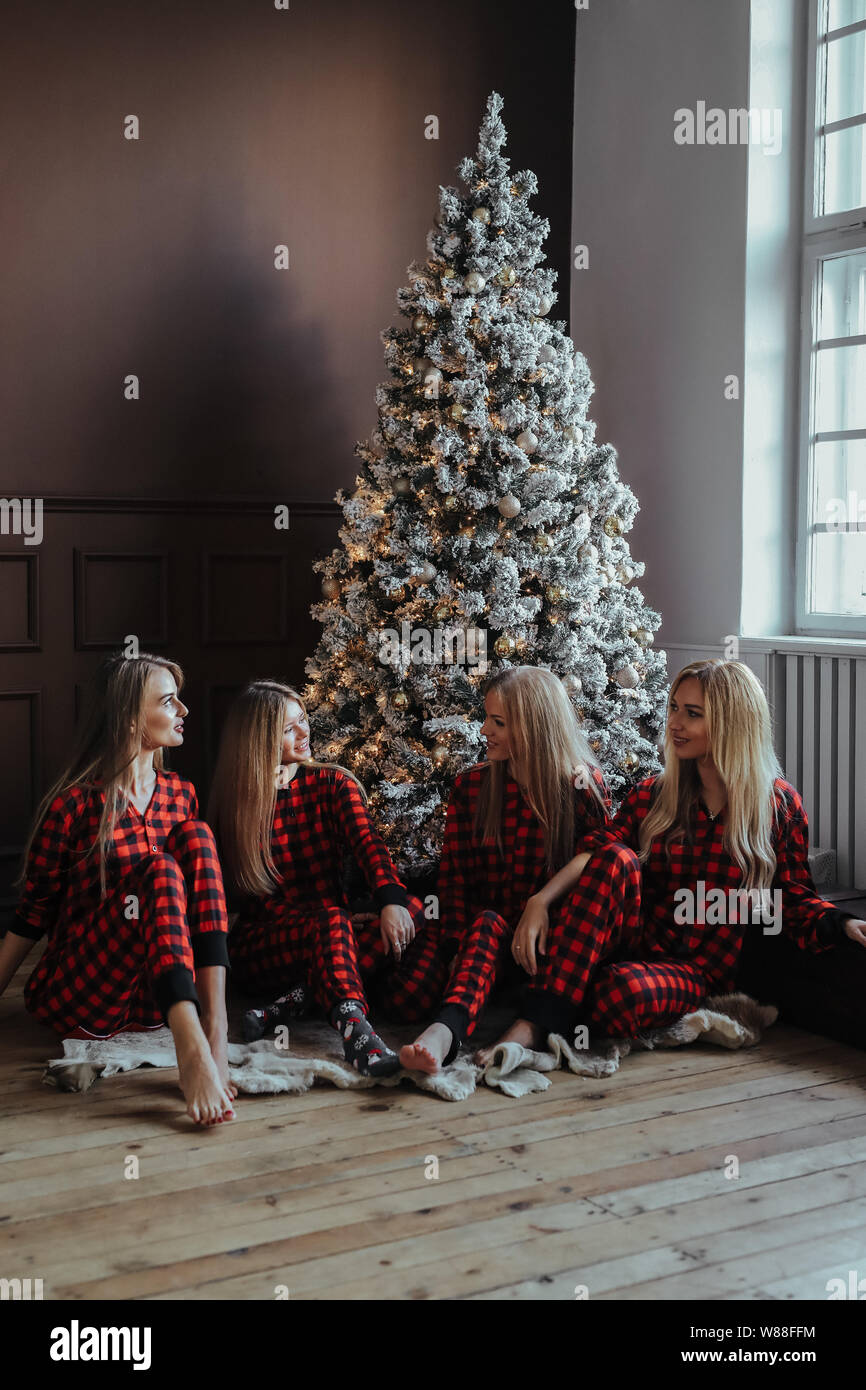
(125, 880)
(723, 845)
(285, 825)
(513, 822)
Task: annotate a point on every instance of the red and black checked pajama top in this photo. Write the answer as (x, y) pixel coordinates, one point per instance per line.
(303, 932)
(122, 961)
(676, 966)
(482, 895)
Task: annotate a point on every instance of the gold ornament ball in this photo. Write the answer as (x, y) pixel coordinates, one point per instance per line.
(402, 487)
(630, 761)
(331, 588)
(448, 273)
(439, 754)
(451, 503)
(504, 646)
(420, 323)
(520, 645)
(428, 573)
(482, 215)
(643, 637)
(400, 700)
(613, 526)
(507, 276)
(398, 595)
(458, 411)
(541, 541)
(468, 530)
(474, 282)
(442, 612)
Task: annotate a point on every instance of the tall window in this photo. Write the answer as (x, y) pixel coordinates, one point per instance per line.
(832, 552)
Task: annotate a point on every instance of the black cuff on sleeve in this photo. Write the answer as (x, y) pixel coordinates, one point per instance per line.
(210, 948)
(19, 927)
(831, 926)
(550, 1012)
(391, 893)
(172, 987)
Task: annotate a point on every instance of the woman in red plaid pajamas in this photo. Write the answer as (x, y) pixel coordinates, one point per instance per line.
(125, 880)
(723, 844)
(285, 825)
(512, 823)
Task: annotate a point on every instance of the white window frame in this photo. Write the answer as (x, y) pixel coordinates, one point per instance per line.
(823, 236)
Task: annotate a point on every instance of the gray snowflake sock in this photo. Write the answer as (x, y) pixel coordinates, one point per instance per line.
(362, 1046)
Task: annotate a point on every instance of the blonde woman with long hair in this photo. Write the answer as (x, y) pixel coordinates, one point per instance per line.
(124, 878)
(513, 823)
(285, 824)
(723, 843)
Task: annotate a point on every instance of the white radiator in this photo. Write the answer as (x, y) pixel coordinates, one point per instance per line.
(820, 712)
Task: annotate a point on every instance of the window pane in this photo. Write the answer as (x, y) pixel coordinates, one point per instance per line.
(839, 573)
(844, 158)
(839, 482)
(842, 309)
(840, 401)
(844, 12)
(846, 89)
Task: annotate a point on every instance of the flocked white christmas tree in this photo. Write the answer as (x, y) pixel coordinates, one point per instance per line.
(484, 516)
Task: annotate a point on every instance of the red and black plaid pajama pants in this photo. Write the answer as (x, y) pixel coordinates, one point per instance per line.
(629, 996)
(320, 946)
(442, 976)
(599, 918)
(125, 964)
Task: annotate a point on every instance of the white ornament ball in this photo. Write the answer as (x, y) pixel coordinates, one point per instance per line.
(644, 637)
(428, 573)
(628, 677)
(482, 215)
(509, 505)
(625, 574)
(527, 441)
(588, 553)
(545, 304)
(474, 282)
(573, 684)
(573, 435)
(547, 353)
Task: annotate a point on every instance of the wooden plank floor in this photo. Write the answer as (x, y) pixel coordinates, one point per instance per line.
(616, 1185)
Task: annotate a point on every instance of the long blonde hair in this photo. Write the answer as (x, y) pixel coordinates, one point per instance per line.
(243, 795)
(740, 744)
(548, 749)
(107, 745)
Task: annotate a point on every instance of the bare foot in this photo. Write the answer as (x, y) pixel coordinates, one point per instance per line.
(521, 1031)
(218, 1042)
(427, 1052)
(208, 1101)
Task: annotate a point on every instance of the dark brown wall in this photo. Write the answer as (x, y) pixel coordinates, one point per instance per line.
(155, 257)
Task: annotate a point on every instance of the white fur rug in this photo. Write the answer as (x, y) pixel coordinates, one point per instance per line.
(732, 1020)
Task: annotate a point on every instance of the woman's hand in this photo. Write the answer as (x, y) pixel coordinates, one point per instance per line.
(282, 777)
(855, 927)
(397, 928)
(531, 935)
